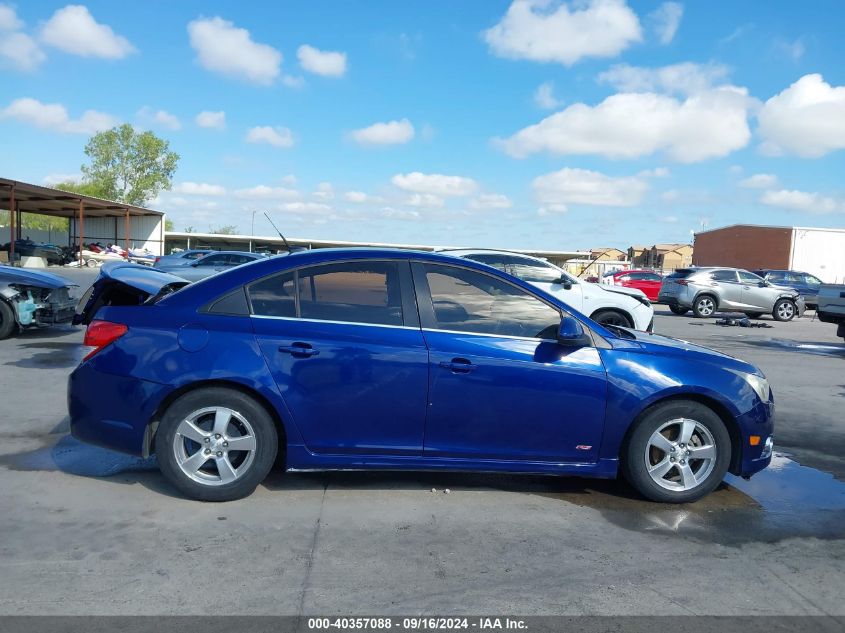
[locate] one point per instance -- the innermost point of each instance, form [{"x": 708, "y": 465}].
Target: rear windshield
[{"x": 681, "y": 273}]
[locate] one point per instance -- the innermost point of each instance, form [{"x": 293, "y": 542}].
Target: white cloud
[
  {"x": 211, "y": 119},
  {"x": 794, "y": 49},
  {"x": 666, "y": 19},
  {"x": 809, "y": 202},
  {"x": 263, "y": 192},
  {"x": 325, "y": 63},
  {"x": 304, "y": 207},
  {"x": 20, "y": 51},
  {"x": 425, "y": 200},
  {"x": 161, "y": 118},
  {"x": 435, "y": 184},
  {"x": 686, "y": 78},
  {"x": 358, "y": 197},
  {"x": 657, "y": 172},
  {"x": 295, "y": 82},
  {"x": 759, "y": 181},
  {"x": 74, "y": 30},
  {"x": 491, "y": 201},
  {"x": 668, "y": 219},
  {"x": 276, "y": 136},
  {"x": 544, "y": 96},
  {"x": 388, "y": 133},
  {"x": 54, "y": 117},
  {"x": 711, "y": 124},
  {"x": 324, "y": 191},
  {"x": 54, "y": 179},
  {"x": 9, "y": 20},
  {"x": 580, "y": 186},
  {"x": 555, "y": 32},
  {"x": 807, "y": 119},
  {"x": 670, "y": 195},
  {"x": 222, "y": 47},
  {"x": 199, "y": 189},
  {"x": 289, "y": 180}
]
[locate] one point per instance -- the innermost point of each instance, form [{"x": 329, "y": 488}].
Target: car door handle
[
  {"x": 299, "y": 349},
  {"x": 458, "y": 365}
]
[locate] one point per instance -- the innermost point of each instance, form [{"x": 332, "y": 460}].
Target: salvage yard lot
[{"x": 89, "y": 531}]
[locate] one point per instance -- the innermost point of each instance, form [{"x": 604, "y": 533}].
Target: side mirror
[
  {"x": 571, "y": 333},
  {"x": 565, "y": 282}
]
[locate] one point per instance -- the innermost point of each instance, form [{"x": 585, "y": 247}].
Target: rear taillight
[
  {"x": 102, "y": 333},
  {"x": 681, "y": 282},
  {"x": 155, "y": 261}
]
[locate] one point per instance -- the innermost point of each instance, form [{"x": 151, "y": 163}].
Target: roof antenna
[{"x": 287, "y": 246}]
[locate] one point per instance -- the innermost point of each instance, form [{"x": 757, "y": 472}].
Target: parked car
[
  {"x": 27, "y": 248},
  {"x": 386, "y": 359},
  {"x": 706, "y": 291},
  {"x": 646, "y": 280},
  {"x": 831, "y": 306},
  {"x": 211, "y": 264},
  {"x": 625, "y": 307},
  {"x": 806, "y": 284},
  {"x": 181, "y": 258},
  {"x": 31, "y": 298}
]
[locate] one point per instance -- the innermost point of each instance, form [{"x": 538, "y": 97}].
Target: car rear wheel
[
  {"x": 677, "y": 452},
  {"x": 612, "y": 317},
  {"x": 7, "y": 320},
  {"x": 704, "y": 306},
  {"x": 784, "y": 310},
  {"x": 676, "y": 309},
  {"x": 216, "y": 444}
]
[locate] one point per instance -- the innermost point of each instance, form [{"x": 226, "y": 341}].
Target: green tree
[
  {"x": 95, "y": 190},
  {"x": 168, "y": 224},
  {"x": 189, "y": 229},
  {"x": 129, "y": 166},
  {"x": 229, "y": 229}
]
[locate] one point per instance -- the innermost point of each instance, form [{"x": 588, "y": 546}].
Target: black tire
[
  {"x": 612, "y": 317},
  {"x": 784, "y": 310},
  {"x": 680, "y": 310},
  {"x": 254, "y": 414},
  {"x": 636, "y": 460},
  {"x": 704, "y": 306},
  {"x": 754, "y": 315},
  {"x": 7, "y": 320}
]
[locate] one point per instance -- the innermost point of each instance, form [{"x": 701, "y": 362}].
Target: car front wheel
[
  {"x": 784, "y": 310},
  {"x": 216, "y": 444},
  {"x": 612, "y": 317},
  {"x": 677, "y": 452}
]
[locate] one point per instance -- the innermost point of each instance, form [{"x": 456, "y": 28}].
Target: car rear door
[
  {"x": 500, "y": 386},
  {"x": 344, "y": 345}
]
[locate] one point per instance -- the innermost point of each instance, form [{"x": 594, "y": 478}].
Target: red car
[{"x": 646, "y": 280}]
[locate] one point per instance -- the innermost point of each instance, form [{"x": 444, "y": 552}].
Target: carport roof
[{"x": 31, "y": 198}]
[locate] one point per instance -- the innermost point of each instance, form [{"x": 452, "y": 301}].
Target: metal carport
[{"x": 20, "y": 197}]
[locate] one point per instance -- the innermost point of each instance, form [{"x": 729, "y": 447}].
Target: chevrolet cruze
[{"x": 400, "y": 360}]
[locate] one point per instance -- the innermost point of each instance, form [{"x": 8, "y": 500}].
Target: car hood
[
  {"x": 10, "y": 275},
  {"x": 622, "y": 290},
  {"x": 666, "y": 345}
]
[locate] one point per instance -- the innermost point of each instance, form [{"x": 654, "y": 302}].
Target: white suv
[{"x": 613, "y": 305}]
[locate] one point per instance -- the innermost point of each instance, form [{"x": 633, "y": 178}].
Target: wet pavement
[{"x": 86, "y": 530}]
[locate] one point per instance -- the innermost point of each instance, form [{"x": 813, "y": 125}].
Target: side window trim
[{"x": 410, "y": 314}]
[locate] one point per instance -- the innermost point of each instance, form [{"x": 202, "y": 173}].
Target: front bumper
[{"x": 756, "y": 454}]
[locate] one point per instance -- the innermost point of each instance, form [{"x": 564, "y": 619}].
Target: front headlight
[{"x": 758, "y": 383}]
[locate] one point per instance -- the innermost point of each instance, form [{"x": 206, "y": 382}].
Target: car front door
[
  {"x": 755, "y": 295},
  {"x": 500, "y": 385},
  {"x": 344, "y": 345}
]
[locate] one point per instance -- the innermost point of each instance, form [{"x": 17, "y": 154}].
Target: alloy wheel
[
  {"x": 680, "y": 455},
  {"x": 214, "y": 446},
  {"x": 786, "y": 310},
  {"x": 706, "y": 306}
]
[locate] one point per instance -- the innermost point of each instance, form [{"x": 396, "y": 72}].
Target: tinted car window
[
  {"x": 236, "y": 260},
  {"x": 213, "y": 260},
  {"x": 651, "y": 277},
  {"x": 274, "y": 296},
  {"x": 469, "y": 301},
  {"x": 524, "y": 268},
  {"x": 195, "y": 255},
  {"x": 749, "y": 278},
  {"x": 681, "y": 273},
  {"x": 357, "y": 292},
  {"x": 775, "y": 277},
  {"x": 723, "y": 275},
  {"x": 812, "y": 281}
]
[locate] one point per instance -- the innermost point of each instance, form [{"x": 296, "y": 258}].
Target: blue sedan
[{"x": 387, "y": 359}]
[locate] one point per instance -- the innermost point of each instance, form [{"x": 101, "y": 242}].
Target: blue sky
[{"x": 526, "y": 124}]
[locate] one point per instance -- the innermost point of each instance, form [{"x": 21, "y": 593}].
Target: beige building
[{"x": 665, "y": 257}]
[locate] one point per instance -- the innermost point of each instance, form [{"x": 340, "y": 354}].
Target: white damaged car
[{"x": 608, "y": 305}]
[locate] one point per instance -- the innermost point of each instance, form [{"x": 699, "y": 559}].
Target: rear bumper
[{"x": 111, "y": 411}]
